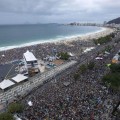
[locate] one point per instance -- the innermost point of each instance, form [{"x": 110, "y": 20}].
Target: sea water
[{"x": 12, "y": 36}]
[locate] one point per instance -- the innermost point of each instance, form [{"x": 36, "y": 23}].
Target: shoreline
[
  {"x": 74, "y": 45},
  {"x": 91, "y": 35}
]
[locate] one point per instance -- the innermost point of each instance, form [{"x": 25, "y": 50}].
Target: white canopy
[
  {"x": 30, "y": 103},
  {"x": 18, "y": 78},
  {"x": 107, "y": 52},
  {"x": 71, "y": 54},
  {"x": 29, "y": 56},
  {"x": 5, "y": 84},
  {"x": 88, "y": 49},
  {"x": 98, "y": 58},
  {"x": 3, "y": 55}
]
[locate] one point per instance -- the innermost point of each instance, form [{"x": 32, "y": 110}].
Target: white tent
[
  {"x": 98, "y": 58},
  {"x": 3, "y": 55},
  {"x": 88, "y": 49},
  {"x": 5, "y": 84},
  {"x": 18, "y": 78},
  {"x": 29, "y": 56},
  {"x": 71, "y": 54},
  {"x": 30, "y": 103},
  {"x": 107, "y": 52}
]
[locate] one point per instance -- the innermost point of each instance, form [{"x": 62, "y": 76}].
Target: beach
[{"x": 42, "y": 49}]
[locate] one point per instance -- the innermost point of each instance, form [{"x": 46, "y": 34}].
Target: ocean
[{"x": 12, "y": 36}]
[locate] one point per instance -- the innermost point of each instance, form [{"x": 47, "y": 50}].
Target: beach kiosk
[{"x": 31, "y": 63}]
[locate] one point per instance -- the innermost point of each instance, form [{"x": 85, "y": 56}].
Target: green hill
[{"x": 116, "y": 21}]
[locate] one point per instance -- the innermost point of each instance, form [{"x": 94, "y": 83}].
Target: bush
[
  {"x": 15, "y": 108},
  {"x": 91, "y": 65},
  {"x": 108, "y": 48},
  {"x": 6, "y": 116},
  {"x": 103, "y": 40},
  {"x": 115, "y": 68},
  {"x": 83, "y": 68},
  {"x": 113, "y": 79},
  {"x": 64, "y": 56}
]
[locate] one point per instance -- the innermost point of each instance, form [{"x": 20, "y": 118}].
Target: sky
[{"x": 58, "y": 11}]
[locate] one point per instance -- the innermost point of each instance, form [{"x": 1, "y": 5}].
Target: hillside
[{"x": 116, "y": 21}]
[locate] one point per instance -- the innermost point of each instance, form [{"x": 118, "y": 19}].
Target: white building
[{"x": 30, "y": 61}]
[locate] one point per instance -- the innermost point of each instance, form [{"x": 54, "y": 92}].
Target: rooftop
[{"x": 29, "y": 56}]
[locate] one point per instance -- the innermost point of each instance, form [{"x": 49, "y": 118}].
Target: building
[{"x": 31, "y": 63}]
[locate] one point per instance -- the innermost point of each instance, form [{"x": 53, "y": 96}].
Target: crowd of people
[
  {"x": 85, "y": 99},
  {"x": 42, "y": 50}
]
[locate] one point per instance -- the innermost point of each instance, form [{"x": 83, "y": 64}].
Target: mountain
[{"x": 116, "y": 21}]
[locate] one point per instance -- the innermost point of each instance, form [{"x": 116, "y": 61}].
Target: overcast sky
[{"x": 57, "y": 11}]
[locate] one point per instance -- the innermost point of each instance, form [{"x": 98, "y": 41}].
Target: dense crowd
[
  {"x": 42, "y": 50},
  {"x": 85, "y": 99}
]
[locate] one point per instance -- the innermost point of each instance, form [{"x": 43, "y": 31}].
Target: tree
[
  {"x": 115, "y": 68},
  {"x": 15, "y": 108},
  {"x": 6, "y": 116},
  {"x": 113, "y": 79},
  {"x": 103, "y": 40},
  {"x": 64, "y": 55}
]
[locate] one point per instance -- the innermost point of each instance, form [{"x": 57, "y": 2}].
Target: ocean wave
[{"x": 57, "y": 39}]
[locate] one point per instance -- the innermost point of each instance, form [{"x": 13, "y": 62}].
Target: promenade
[{"x": 39, "y": 79}]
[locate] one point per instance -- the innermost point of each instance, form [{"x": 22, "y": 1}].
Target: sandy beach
[
  {"x": 43, "y": 49},
  {"x": 89, "y": 36}
]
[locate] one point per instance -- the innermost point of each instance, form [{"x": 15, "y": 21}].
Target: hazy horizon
[{"x": 55, "y": 11}]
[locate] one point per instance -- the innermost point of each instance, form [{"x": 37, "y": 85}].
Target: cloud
[{"x": 57, "y": 9}]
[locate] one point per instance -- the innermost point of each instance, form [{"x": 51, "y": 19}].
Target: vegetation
[
  {"x": 103, "y": 40},
  {"x": 108, "y": 48},
  {"x": 15, "y": 108},
  {"x": 116, "y": 21},
  {"x": 6, "y": 116},
  {"x": 115, "y": 68},
  {"x": 91, "y": 65},
  {"x": 113, "y": 78},
  {"x": 64, "y": 55},
  {"x": 12, "y": 108},
  {"x": 83, "y": 68}
]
